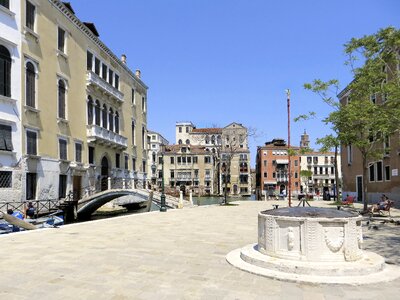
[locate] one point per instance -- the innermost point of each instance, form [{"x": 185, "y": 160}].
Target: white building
[
  {"x": 155, "y": 145},
  {"x": 10, "y": 97}
]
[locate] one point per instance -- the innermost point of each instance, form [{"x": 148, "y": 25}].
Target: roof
[
  {"x": 207, "y": 130},
  {"x": 92, "y": 28},
  {"x": 194, "y": 149}
]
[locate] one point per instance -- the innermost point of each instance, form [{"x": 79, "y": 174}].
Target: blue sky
[{"x": 213, "y": 62}]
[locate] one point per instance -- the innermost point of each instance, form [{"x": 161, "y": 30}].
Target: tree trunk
[
  {"x": 364, "y": 182},
  {"x": 336, "y": 176}
]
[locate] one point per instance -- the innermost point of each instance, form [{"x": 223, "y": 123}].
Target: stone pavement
[{"x": 179, "y": 254}]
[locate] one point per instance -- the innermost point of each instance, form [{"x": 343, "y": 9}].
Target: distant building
[
  {"x": 188, "y": 168},
  {"x": 156, "y": 145},
  {"x": 272, "y": 169},
  {"x": 228, "y": 149},
  {"x": 322, "y": 166}
]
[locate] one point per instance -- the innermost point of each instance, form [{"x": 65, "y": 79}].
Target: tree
[
  {"x": 369, "y": 109},
  {"x": 304, "y": 175}
]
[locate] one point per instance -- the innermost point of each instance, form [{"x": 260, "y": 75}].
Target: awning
[{"x": 282, "y": 161}]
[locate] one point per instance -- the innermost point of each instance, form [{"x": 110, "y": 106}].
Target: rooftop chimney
[
  {"x": 137, "y": 73},
  {"x": 123, "y": 58}
]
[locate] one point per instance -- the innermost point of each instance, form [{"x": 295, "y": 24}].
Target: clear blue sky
[{"x": 218, "y": 61}]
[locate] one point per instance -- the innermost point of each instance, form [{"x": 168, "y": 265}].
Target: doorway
[
  {"x": 104, "y": 173},
  {"x": 77, "y": 187}
]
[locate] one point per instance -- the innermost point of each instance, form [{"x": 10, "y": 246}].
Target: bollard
[
  {"x": 109, "y": 183},
  {"x": 180, "y": 204},
  {"x": 191, "y": 197},
  {"x": 123, "y": 183}
]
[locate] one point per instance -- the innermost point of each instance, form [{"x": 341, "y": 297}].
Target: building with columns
[{"x": 82, "y": 112}]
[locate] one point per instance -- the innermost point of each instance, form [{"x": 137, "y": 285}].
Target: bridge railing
[{"x": 42, "y": 206}]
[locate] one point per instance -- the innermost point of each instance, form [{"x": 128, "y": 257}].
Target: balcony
[
  {"x": 100, "y": 84},
  {"x": 102, "y": 136},
  {"x": 183, "y": 178}
]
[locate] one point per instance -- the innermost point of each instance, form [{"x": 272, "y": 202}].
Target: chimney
[
  {"x": 123, "y": 58},
  {"x": 137, "y": 73}
]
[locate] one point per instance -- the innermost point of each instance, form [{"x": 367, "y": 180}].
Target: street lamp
[
  {"x": 163, "y": 208},
  {"x": 289, "y": 162}
]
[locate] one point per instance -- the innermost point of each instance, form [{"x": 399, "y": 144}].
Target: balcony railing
[
  {"x": 104, "y": 136},
  {"x": 95, "y": 80}
]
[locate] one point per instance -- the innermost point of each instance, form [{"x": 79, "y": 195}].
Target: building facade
[
  {"x": 272, "y": 170},
  {"x": 322, "y": 167},
  {"x": 11, "y": 169},
  {"x": 83, "y": 112},
  {"x": 383, "y": 174},
  {"x": 228, "y": 147},
  {"x": 188, "y": 168},
  {"x": 156, "y": 146}
]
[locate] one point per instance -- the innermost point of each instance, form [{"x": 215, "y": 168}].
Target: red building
[{"x": 272, "y": 169}]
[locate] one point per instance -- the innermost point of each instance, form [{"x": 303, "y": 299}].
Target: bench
[{"x": 382, "y": 210}]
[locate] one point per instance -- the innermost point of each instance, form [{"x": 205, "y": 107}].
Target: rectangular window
[
  {"x": 207, "y": 159},
  {"x": 117, "y": 160},
  {"x": 78, "y": 152},
  {"x": 184, "y": 159},
  {"x": 89, "y": 61},
  {"x": 265, "y": 174},
  {"x": 133, "y": 164},
  {"x": 349, "y": 155},
  {"x": 5, "y": 3},
  {"x": 180, "y": 129},
  {"x": 273, "y": 175},
  {"x": 315, "y": 170},
  {"x": 91, "y": 155},
  {"x": 116, "y": 85},
  {"x": 372, "y": 172},
  {"x": 172, "y": 174},
  {"x": 5, "y": 179},
  {"x": 133, "y": 96},
  {"x": 143, "y": 104},
  {"x": 265, "y": 163},
  {"x": 110, "y": 76},
  {"x": 30, "y": 16},
  {"x": 5, "y": 138},
  {"x": 160, "y": 160},
  {"x": 30, "y": 186},
  {"x": 61, "y": 39},
  {"x": 144, "y": 166},
  {"x": 379, "y": 171},
  {"x": 172, "y": 160},
  {"x": 104, "y": 72},
  {"x": 97, "y": 66},
  {"x": 62, "y": 145},
  {"x": 189, "y": 159},
  {"x": 31, "y": 142},
  {"x": 126, "y": 162},
  {"x": 195, "y": 159},
  {"x": 387, "y": 173},
  {"x": 296, "y": 163},
  {"x": 296, "y": 175},
  {"x": 178, "y": 159},
  {"x": 62, "y": 187}
]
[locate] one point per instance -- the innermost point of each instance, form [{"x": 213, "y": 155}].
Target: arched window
[
  {"x": 154, "y": 157},
  {"x": 97, "y": 113},
  {"x": 90, "y": 110},
  {"x": 5, "y": 72},
  {"x": 180, "y": 142},
  {"x": 30, "y": 84},
  {"x": 213, "y": 139},
  {"x": 61, "y": 99},
  {"x": 219, "y": 140},
  {"x": 104, "y": 116},
  {"x": 187, "y": 142},
  {"x": 111, "y": 119},
  {"x": 207, "y": 139},
  {"x": 116, "y": 122},
  {"x": 243, "y": 167}
]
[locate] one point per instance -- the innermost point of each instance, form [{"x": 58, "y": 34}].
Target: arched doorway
[
  {"x": 104, "y": 173},
  {"x": 235, "y": 189}
]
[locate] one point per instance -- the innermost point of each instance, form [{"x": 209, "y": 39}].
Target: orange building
[{"x": 272, "y": 169}]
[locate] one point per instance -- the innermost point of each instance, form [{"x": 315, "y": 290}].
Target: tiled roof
[{"x": 207, "y": 130}]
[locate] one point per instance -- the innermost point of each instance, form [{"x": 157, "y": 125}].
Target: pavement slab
[{"x": 179, "y": 254}]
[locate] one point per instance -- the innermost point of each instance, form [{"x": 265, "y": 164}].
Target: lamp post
[
  {"x": 289, "y": 162},
  {"x": 163, "y": 208}
]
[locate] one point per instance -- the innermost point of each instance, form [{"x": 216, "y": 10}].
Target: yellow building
[{"x": 83, "y": 111}]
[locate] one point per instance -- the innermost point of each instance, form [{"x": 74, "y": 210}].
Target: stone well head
[{"x": 310, "y": 234}]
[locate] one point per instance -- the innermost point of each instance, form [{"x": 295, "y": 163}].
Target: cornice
[{"x": 69, "y": 15}]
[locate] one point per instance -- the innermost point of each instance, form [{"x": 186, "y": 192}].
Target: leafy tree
[{"x": 369, "y": 109}]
